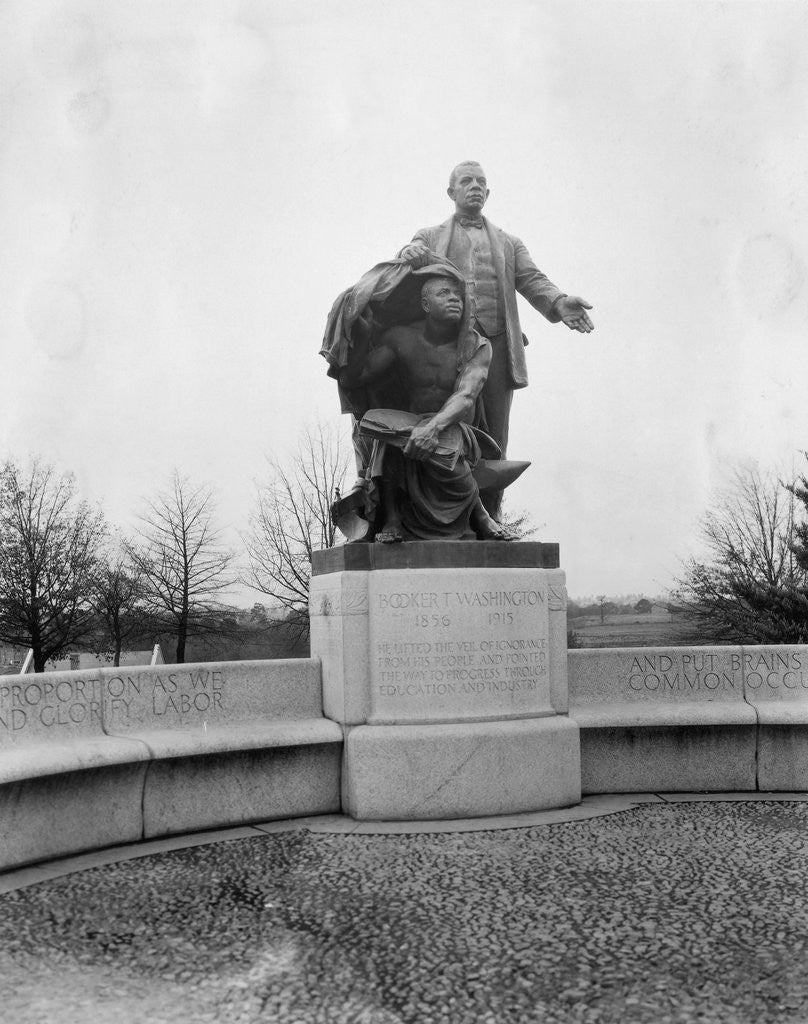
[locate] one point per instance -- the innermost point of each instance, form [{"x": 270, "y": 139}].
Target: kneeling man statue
[{"x": 411, "y": 369}]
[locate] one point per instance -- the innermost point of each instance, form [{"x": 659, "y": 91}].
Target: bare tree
[
  {"x": 732, "y": 594},
  {"x": 48, "y": 553},
  {"x": 118, "y": 598},
  {"x": 291, "y": 518},
  {"x": 182, "y": 563}
]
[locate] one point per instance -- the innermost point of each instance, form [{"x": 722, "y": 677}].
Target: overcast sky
[{"x": 186, "y": 186}]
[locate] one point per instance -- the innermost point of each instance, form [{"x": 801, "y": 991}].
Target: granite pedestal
[{"x": 446, "y": 664}]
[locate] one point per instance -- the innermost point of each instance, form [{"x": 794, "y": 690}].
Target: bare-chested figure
[{"x": 427, "y": 493}]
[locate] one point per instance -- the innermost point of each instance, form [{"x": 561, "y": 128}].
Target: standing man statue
[{"x": 496, "y": 266}]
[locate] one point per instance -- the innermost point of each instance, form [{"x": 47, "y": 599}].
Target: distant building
[
  {"x": 664, "y": 609},
  {"x": 11, "y": 658}
]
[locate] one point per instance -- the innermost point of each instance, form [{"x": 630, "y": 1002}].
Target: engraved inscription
[
  {"x": 491, "y": 666},
  {"x": 457, "y": 649},
  {"x": 688, "y": 673},
  {"x": 461, "y": 599},
  {"x": 64, "y": 702},
  {"x": 692, "y": 671},
  {"x": 82, "y": 701},
  {"x": 181, "y": 693},
  {"x": 773, "y": 670}
]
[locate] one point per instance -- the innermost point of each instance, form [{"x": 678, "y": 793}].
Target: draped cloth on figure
[
  {"x": 439, "y": 492},
  {"x": 387, "y": 296}
]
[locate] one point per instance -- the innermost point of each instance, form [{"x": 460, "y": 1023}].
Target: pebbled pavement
[{"x": 663, "y": 913}]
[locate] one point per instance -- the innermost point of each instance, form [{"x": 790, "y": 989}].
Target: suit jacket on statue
[{"x": 516, "y": 272}]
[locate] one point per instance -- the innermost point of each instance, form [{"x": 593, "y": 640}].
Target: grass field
[{"x": 655, "y": 630}]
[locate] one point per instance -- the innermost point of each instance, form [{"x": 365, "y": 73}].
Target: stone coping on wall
[
  {"x": 43, "y": 758},
  {"x": 459, "y": 554},
  {"x": 640, "y": 715},
  {"x": 168, "y": 743}
]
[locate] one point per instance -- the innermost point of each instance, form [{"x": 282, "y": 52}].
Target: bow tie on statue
[{"x": 471, "y": 222}]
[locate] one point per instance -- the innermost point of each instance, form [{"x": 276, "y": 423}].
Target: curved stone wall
[
  {"x": 673, "y": 719},
  {"x": 94, "y": 759}
]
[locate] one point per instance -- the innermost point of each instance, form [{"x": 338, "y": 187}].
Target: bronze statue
[
  {"x": 495, "y": 266},
  {"x": 411, "y": 369}
]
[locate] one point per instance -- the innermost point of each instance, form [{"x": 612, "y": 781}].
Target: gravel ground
[{"x": 666, "y": 912}]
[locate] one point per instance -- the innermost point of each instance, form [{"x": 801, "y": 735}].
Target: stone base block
[
  {"x": 439, "y": 632},
  {"x": 463, "y": 770},
  {"x": 58, "y": 815},
  {"x": 183, "y": 794},
  {"x": 783, "y": 758},
  {"x": 668, "y": 759}
]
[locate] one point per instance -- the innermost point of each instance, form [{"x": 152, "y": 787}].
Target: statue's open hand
[
  {"x": 422, "y": 442},
  {"x": 573, "y": 311},
  {"x": 416, "y": 254}
]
